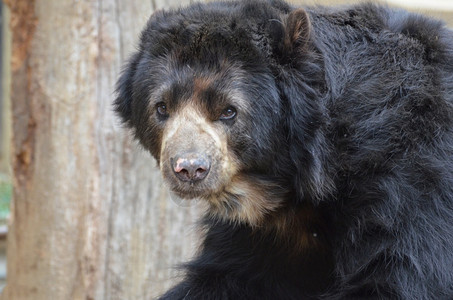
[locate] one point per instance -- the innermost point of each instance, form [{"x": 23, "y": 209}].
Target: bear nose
[{"x": 190, "y": 167}]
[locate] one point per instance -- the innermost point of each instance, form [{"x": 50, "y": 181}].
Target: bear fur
[{"x": 328, "y": 134}]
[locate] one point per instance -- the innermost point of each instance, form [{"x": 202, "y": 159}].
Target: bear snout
[{"x": 190, "y": 167}]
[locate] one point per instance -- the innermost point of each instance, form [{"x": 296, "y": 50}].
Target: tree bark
[{"x": 90, "y": 218}]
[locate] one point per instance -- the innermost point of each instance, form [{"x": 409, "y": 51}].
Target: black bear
[{"x": 320, "y": 138}]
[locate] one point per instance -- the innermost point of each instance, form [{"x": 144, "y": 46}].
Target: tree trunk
[{"x": 90, "y": 218}]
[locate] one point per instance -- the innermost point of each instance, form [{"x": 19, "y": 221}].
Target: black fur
[{"x": 353, "y": 116}]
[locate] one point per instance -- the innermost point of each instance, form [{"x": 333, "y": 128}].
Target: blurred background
[{"x": 83, "y": 213}]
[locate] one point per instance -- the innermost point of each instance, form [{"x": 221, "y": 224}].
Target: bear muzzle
[{"x": 190, "y": 167}]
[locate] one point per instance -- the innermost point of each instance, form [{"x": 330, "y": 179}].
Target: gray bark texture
[{"x": 90, "y": 218}]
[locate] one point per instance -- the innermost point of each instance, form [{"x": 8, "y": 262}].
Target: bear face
[
  {"x": 204, "y": 100},
  {"x": 205, "y": 136}
]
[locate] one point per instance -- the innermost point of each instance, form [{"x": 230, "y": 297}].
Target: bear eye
[
  {"x": 228, "y": 113},
  {"x": 161, "y": 109}
]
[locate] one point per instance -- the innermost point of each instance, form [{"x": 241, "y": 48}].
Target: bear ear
[
  {"x": 291, "y": 37},
  {"x": 297, "y": 31},
  {"x": 124, "y": 89}
]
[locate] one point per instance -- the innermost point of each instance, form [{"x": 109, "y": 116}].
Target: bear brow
[{"x": 176, "y": 93}]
